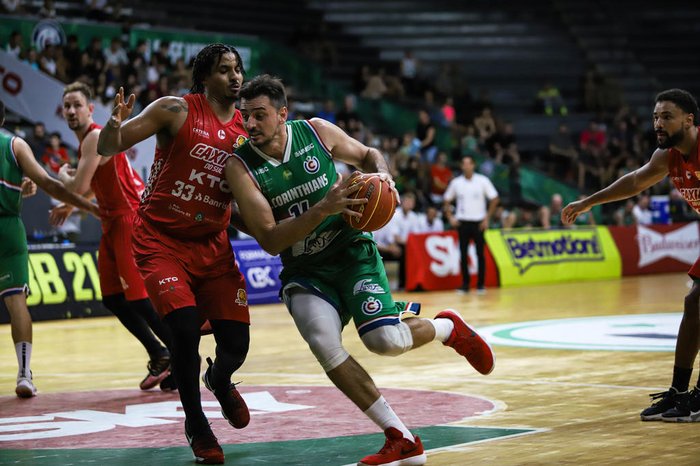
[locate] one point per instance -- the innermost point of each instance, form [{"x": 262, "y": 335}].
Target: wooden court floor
[{"x": 574, "y": 406}]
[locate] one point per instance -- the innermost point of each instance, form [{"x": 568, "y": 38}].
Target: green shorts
[
  {"x": 14, "y": 265},
  {"x": 354, "y": 282}
]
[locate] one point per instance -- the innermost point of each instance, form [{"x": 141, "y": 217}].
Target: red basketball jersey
[
  {"x": 685, "y": 175},
  {"x": 116, "y": 185},
  {"x": 187, "y": 195}
]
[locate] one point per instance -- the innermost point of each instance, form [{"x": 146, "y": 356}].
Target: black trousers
[{"x": 470, "y": 231}]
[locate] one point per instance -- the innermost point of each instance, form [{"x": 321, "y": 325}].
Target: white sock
[
  {"x": 443, "y": 328},
  {"x": 381, "y": 414},
  {"x": 24, "y": 355}
]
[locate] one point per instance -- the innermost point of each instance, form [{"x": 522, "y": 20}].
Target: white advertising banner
[{"x": 37, "y": 97}]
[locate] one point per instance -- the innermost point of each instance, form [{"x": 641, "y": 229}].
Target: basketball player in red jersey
[
  {"x": 117, "y": 188},
  {"x": 678, "y": 157},
  {"x": 180, "y": 240}
]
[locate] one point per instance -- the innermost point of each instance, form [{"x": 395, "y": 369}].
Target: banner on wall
[
  {"x": 548, "y": 256},
  {"x": 64, "y": 284},
  {"x": 433, "y": 262},
  {"x": 657, "y": 248}
]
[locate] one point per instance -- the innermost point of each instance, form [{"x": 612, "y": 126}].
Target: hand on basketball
[
  {"x": 122, "y": 109},
  {"x": 388, "y": 178},
  {"x": 339, "y": 198},
  {"x": 573, "y": 210}
]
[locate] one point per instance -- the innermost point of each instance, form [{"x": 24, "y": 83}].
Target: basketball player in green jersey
[
  {"x": 291, "y": 200},
  {"x": 16, "y": 161}
]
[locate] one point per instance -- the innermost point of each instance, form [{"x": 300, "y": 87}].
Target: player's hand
[
  {"x": 338, "y": 199},
  {"x": 28, "y": 187},
  {"x": 573, "y": 210},
  {"x": 389, "y": 179},
  {"x": 59, "y": 214},
  {"x": 122, "y": 108},
  {"x": 484, "y": 225}
]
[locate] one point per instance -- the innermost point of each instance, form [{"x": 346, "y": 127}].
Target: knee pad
[
  {"x": 389, "y": 340},
  {"x": 319, "y": 324}
]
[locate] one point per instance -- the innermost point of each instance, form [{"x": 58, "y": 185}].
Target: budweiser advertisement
[{"x": 657, "y": 248}]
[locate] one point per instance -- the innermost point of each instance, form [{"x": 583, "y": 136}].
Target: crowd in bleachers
[{"x": 613, "y": 144}]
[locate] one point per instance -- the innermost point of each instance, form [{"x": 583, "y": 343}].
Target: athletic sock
[
  {"x": 443, "y": 328},
  {"x": 381, "y": 414},
  {"x": 24, "y": 355},
  {"x": 681, "y": 378}
]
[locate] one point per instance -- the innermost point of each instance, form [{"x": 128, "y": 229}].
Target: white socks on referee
[
  {"x": 24, "y": 355},
  {"x": 443, "y": 328},
  {"x": 381, "y": 413}
]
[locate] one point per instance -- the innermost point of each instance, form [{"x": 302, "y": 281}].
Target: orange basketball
[{"x": 380, "y": 206}]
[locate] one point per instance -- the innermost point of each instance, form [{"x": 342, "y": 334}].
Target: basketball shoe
[
  {"x": 233, "y": 405},
  {"x": 168, "y": 384},
  {"x": 664, "y": 401},
  {"x": 397, "y": 451},
  {"x": 25, "y": 387},
  {"x": 687, "y": 408},
  {"x": 205, "y": 446},
  {"x": 158, "y": 369},
  {"x": 468, "y": 343}
]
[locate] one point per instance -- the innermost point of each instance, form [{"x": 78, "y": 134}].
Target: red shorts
[
  {"x": 694, "y": 271},
  {"x": 115, "y": 261},
  {"x": 190, "y": 273}
]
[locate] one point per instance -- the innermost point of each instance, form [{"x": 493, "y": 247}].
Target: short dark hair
[
  {"x": 267, "y": 85},
  {"x": 81, "y": 87},
  {"x": 206, "y": 59},
  {"x": 683, "y": 99}
]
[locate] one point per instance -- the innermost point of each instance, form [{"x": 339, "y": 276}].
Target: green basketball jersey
[
  {"x": 292, "y": 185},
  {"x": 10, "y": 179}
]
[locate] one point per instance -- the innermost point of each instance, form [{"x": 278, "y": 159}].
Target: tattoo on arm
[{"x": 175, "y": 108}]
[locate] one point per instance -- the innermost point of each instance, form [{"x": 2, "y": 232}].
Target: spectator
[
  {"x": 47, "y": 59},
  {"x": 563, "y": 153},
  {"x": 440, "y": 176},
  {"x": 550, "y": 100},
  {"x": 33, "y": 59},
  {"x": 375, "y": 87},
  {"x": 550, "y": 216},
  {"x": 71, "y": 54},
  {"x": 14, "y": 45},
  {"x": 47, "y": 10},
  {"x": 55, "y": 154},
  {"x": 449, "y": 113},
  {"x": 485, "y": 125},
  {"x": 505, "y": 147},
  {"x": 470, "y": 143},
  {"x": 641, "y": 212},
  {"x": 593, "y": 145},
  {"x": 406, "y": 221},
  {"x": 328, "y": 111},
  {"x": 38, "y": 140},
  {"x": 115, "y": 55},
  {"x": 431, "y": 221},
  {"x": 409, "y": 73},
  {"x": 426, "y": 135},
  {"x": 624, "y": 216},
  {"x": 96, "y": 10}
]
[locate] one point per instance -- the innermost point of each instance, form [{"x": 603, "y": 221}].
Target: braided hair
[{"x": 206, "y": 59}]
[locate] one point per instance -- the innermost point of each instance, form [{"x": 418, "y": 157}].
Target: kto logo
[
  {"x": 259, "y": 277},
  {"x": 167, "y": 280}
]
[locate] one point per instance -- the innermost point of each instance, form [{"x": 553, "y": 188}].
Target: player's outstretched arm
[
  {"x": 31, "y": 168},
  {"x": 259, "y": 219},
  {"x": 627, "y": 186},
  {"x": 163, "y": 118}
]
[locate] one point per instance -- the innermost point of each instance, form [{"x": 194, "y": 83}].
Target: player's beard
[{"x": 671, "y": 140}]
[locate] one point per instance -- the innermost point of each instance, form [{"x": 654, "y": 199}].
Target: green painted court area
[{"x": 316, "y": 452}]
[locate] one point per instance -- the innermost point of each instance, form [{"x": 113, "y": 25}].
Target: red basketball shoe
[
  {"x": 233, "y": 406},
  {"x": 468, "y": 343},
  {"x": 205, "y": 446},
  {"x": 397, "y": 451},
  {"x": 158, "y": 369}
]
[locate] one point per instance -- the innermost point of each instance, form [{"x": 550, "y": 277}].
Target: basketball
[{"x": 380, "y": 206}]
